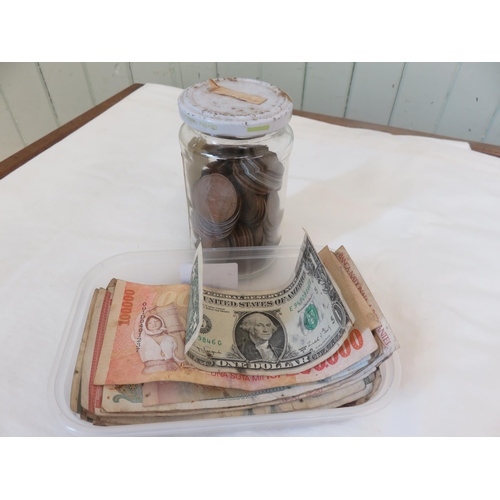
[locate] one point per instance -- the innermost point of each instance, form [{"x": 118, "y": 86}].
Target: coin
[
  {"x": 223, "y": 167},
  {"x": 232, "y": 152},
  {"x": 253, "y": 209},
  {"x": 235, "y": 198},
  {"x": 241, "y": 236},
  {"x": 272, "y": 220},
  {"x": 274, "y": 213},
  {"x": 215, "y": 198},
  {"x": 258, "y": 235},
  {"x": 246, "y": 174},
  {"x": 212, "y": 230}
]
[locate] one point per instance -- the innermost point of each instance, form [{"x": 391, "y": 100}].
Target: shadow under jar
[{"x": 235, "y": 144}]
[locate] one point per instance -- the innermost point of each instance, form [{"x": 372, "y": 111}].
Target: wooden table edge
[{"x": 29, "y": 152}]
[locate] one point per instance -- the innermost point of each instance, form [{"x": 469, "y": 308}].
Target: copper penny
[
  {"x": 246, "y": 178},
  {"x": 241, "y": 236},
  {"x": 258, "y": 236},
  {"x": 215, "y": 198},
  {"x": 253, "y": 209},
  {"x": 274, "y": 212}
]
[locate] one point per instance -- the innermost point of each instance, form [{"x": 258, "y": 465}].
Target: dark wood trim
[
  {"x": 480, "y": 147},
  {"x": 29, "y": 152}
]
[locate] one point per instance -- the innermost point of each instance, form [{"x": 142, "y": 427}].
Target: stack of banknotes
[{"x": 160, "y": 353}]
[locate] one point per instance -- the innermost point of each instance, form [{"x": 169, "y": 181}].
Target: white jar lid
[{"x": 228, "y": 116}]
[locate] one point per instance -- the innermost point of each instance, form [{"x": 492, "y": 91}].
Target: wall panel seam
[
  {"x": 349, "y": 90},
  {"x": 13, "y": 118},
  {"x": 446, "y": 99},
  {"x": 131, "y": 72},
  {"x": 396, "y": 97},
  {"x": 303, "y": 86},
  {"x": 130, "y": 78},
  {"x": 181, "y": 76},
  {"x": 47, "y": 92},
  {"x": 89, "y": 85}
]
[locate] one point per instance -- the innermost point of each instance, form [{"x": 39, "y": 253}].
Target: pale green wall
[{"x": 454, "y": 99}]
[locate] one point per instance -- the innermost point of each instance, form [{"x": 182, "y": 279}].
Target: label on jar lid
[
  {"x": 218, "y": 89},
  {"x": 235, "y": 107}
]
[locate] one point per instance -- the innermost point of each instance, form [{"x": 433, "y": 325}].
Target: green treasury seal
[{"x": 311, "y": 317}]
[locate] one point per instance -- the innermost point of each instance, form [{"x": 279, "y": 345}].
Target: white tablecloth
[{"x": 419, "y": 216}]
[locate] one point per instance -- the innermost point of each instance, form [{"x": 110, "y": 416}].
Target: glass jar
[{"x": 235, "y": 153}]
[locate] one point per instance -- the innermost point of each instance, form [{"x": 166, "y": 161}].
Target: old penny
[
  {"x": 215, "y": 198},
  {"x": 253, "y": 209}
]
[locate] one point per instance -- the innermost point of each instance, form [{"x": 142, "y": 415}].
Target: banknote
[
  {"x": 135, "y": 366},
  {"x": 324, "y": 398},
  {"x": 145, "y": 334},
  {"x": 91, "y": 394},
  {"x": 281, "y": 331},
  {"x": 161, "y": 396},
  {"x": 383, "y": 332},
  {"x": 333, "y": 399},
  {"x": 132, "y": 353},
  {"x": 195, "y": 306},
  {"x": 239, "y": 401},
  {"x": 169, "y": 397},
  {"x": 366, "y": 397},
  {"x": 75, "y": 396},
  {"x": 353, "y": 297},
  {"x": 350, "y": 362},
  {"x": 355, "y": 372}
]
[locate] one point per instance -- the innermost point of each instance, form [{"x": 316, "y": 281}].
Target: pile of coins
[{"x": 235, "y": 200}]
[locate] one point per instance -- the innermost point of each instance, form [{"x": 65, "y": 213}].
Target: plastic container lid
[{"x": 227, "y": 116}]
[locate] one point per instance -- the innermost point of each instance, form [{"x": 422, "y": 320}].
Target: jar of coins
[{"x": 235, "y": 144}]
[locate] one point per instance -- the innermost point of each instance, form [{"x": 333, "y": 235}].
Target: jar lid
[{"x": 230, "y": 107}]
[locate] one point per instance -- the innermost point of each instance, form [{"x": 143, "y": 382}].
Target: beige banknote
[
  {"x": 83, "y": 391},
  {"x": 384, "y": 332},
  {"x": 76, "y": 381},
  {"x": 333, "y": 399},
  {"x": 88, "y": 389},
  {"x": 180, "y": 396},
  {"x": 308, "y": 400}
]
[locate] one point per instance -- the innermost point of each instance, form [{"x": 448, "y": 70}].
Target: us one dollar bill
[{"x": 279, "y": 331}]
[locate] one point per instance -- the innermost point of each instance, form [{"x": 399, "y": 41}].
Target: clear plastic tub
[{"x": 263, "y": 268}]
